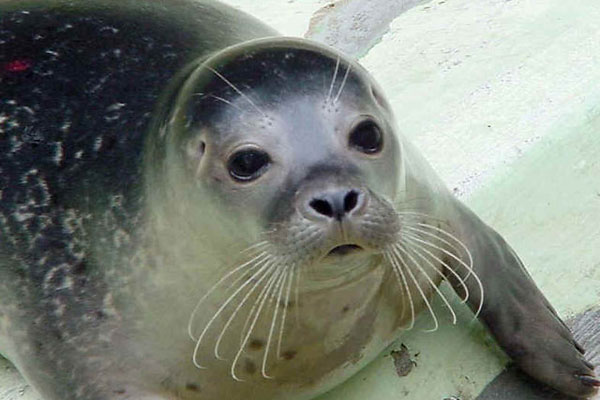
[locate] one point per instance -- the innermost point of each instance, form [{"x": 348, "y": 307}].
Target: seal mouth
[{"x": 344, "y": 249}]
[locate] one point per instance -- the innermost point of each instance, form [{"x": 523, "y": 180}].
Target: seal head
[{"x": 283, "y": 147}]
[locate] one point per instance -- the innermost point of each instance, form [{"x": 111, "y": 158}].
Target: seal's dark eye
[
  {"x": 247, "y": 165},
  {"x": 367, "y": 138}
]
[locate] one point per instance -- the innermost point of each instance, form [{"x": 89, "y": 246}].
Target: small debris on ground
[{"x": 402, "y": 361}]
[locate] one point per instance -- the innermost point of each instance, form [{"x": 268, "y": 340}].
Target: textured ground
[{"x": 501, "y": 96}]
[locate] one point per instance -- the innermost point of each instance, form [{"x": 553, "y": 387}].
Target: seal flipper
[{"x": 518, "y": 315}]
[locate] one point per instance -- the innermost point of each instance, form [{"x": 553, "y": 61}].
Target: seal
[{"x": 195, "y": 208}]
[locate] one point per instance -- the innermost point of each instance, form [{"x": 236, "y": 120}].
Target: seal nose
[{"x": 336, "y": 204}]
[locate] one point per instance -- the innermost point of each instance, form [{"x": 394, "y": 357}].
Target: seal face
[{"x": 192, "y": 208}]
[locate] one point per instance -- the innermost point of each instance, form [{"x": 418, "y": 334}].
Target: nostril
[
  {"x": 350, "y": 200},
  {"x": 322, "y": 207}
]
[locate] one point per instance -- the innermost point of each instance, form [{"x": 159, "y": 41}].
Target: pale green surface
[
  {"x": 476, "y": 83},
  {"x": 450, "y": 361},
  {"x": 290, "y": 17},
  {"x": 530, "y": 69},
  {"x": 549, "y": 208}
]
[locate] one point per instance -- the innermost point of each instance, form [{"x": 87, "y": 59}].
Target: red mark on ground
[{"x": 18, "y": 65}]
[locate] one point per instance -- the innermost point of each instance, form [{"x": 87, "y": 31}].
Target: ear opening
[{"x": 379, "y": 98}]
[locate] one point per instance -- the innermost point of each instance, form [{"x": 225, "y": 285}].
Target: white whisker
[
  {"x": 343, "y": 84},
  {"x": 279, "y": 288},
  {"x": 435, "y": 236},
  {"x": 394, "y": 261},
  {"x": 412, "y": 238},
  {"x": 258, "y": 300},
  {"x": 271, "y": 273},
  {"x": 335, "y": 72},
  {"x": 229, "y": 299},
  {"x": 255, "y": 246},
  {"x": 396, "y": 249},
  {"x": 253, "y": 263},
  {"x": 468, "y": 268},
  {"x": 251, "y": 329},
  {"x": 399, "y": 280},
  {"x": 297, "y": 293},
  {"x": 417, "y": 214},
  {"x": 238, "y": 91},
  {"x": 224, "y": 101},
  {"x": 284, "y": 313},
  {"x": 435, "y": 287},
  {"x": 430, "y": 217},
  {"x": 457, "y": 240}
]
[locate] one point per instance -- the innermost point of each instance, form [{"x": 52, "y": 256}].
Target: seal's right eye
[
  {"x": 247, "y": 165},
  {"x": 366, "y": 137}
]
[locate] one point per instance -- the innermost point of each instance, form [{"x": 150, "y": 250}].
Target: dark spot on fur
[
  {"x": 110, "y": 142},
  {"x": 290, "y": 304},
  {"x": 58, "y": 335},
  {"x": 82, "y": 282},
  {"x": 193, "y": 387},
  {"x": 80, "y": 268},
  {"x": 346, "y": 309},
  {"x": 515, "y": 349},
  {"x": 250, "y": 367},
  {"x": 516, "y": 325},
  {"x": 256, "y": 344},
  {"x": 59, "y": 244},
  {"x": 99, "y": 314},
  {"x": 290, "y": 354},
  {"x": 119, "y": 391}
]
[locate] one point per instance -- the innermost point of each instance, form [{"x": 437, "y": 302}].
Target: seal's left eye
[
  {"x": 247, "y": 165},
  {"x": 366, "y": 137}
]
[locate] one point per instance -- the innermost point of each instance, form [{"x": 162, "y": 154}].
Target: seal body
[{"x": 194, "y": 208}]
